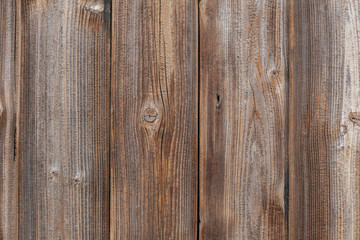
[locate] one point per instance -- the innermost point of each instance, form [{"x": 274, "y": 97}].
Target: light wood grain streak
[
  {"x": 64, "y": 120},
  {"x": 8, "y": 163},
  {"x": 324, "y": 110}
]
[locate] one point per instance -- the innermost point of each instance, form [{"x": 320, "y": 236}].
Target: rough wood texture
[
  {"x": 154, "y": 119},
  {"x": 8, "y": 163},
  {"x": 64, "y": 119},
  {"x": 324, "y": 119},
  {"x": 242, "y": 119}
]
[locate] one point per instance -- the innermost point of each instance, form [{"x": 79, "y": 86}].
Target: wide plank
[
  {"x": 243, "y": 95},
  {"x": 154, "y": 126},
  {"x": 8, "y": 163},
  {"x": 324, "y": 105},
  {"x": 64, "y": 119}
]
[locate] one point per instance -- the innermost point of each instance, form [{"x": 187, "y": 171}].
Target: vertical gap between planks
[
  {"x": 286, "y": 42},
  {"x": 198, "y": 133},
  {"x": 17, "y": 70},
  {"x": 108, "y": 4}
]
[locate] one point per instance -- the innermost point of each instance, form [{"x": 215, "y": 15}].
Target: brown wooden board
[
  {"x": 243, "y": 95},
  {"x": 324, "y": 104},
  {"x": 64, "y": 119},
  {"x": 154, "y": 119},
  {"x": 8, "y": 163},
  {"x": 150, "y": 119}
]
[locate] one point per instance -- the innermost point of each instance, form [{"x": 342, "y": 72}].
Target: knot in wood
[
  {"x": 150, "y": 115},
  {"x": 54, "y": 171},
  {"x": 344, "y": 129},
  {"x": 274, "y": 73},
  {"x": 355, "y": 117},
  {"x": 95, "y": 7},
  {"x": 78, "y": 178}
]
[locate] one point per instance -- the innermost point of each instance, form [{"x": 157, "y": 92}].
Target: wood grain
[
  {"x": 154, "y": 119},
  {"x": 324, "y": 119},
  {"x": 242, "y": 119},
  {"x": 64, "y": 119},
  {"x": 8, "y": 163}
]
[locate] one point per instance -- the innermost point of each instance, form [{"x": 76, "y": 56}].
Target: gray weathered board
[{"x": 182, "y": 119}]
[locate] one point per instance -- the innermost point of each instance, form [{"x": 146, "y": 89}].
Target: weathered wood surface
[
  {"x": 242, "y": 119},
  {"x": 64, "y": 119},
  {"x": 8, "y": 163},
  {"x": 324, "y": 119},
  {"x": 101, "y": 147},
  {"x": 154, "y": 119}
]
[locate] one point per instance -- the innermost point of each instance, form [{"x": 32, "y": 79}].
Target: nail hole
[
  {"x": 54, "y": 171},
  {"x": 77, "y": 178},
  {"x": 217, "y": 100}
]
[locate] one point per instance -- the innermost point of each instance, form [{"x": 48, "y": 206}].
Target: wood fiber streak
[
  {"x": 64, "y": 120},
  {"x": 242, "y": 119},
  {"x": 154, "y": 119},
  {"x": 8, "y": 163},
  {"x": 324, "y": 103}
]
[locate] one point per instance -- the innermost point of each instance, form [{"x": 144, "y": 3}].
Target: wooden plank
[
  {"x": 64, "y": 119},
  {"x": 8, "y": 163},
  {"x": 242, "y": 119},
  {"x": 324, "y": 120},
  {"x": 154, "y": 119}
]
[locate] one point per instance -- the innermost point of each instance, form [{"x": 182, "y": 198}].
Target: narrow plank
[
  {"x": 64, "y": 119},
  {"x": 154, "y": 119},
  {"x": 242, "y": 119},
  {"x": 324, "y": 119},
  {"x": 8, "y": 163}
]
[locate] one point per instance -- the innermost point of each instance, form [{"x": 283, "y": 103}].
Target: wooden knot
[
  {"x": 355, "y": 117},
  {"x": 95, "y": 8},
  {"x": 344, "y": 129},
  {"x": 150, "y": 115},
  {"x": 274, "y": 73},
  {"x": 54, "y": 172}
]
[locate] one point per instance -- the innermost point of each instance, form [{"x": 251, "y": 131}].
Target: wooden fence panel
[
  {"x": 242, "y": 119},
  {"x": 154, "y": 119},
  {"x": 8, "y": 163},
  {"x": 324, "y": 120},
  {"x": 64, "y": 119},
  {"x": 105, "y": 107}
]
